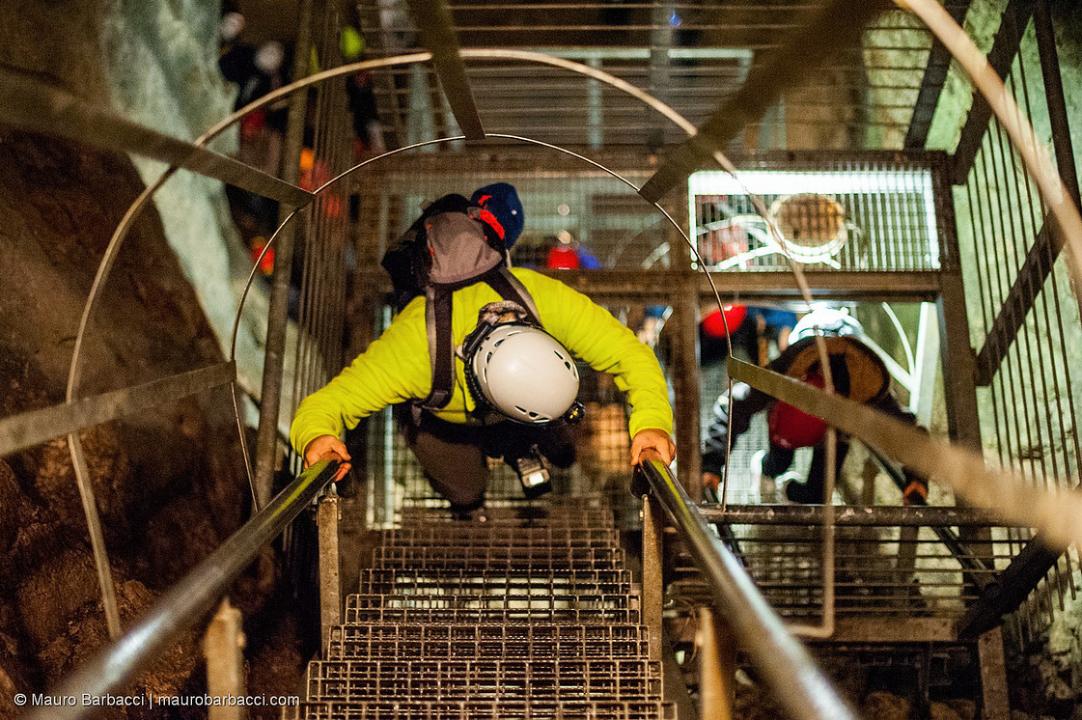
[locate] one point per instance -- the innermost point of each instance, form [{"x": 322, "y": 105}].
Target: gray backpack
[{"x": 457, "y": 253}]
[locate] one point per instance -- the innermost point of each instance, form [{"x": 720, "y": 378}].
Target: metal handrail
[
  {"x": 186, "y": 603},
  {"x": 798, "y": 684}
]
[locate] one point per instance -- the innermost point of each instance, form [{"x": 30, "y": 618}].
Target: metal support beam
[
  {"x": 434, "y": 20},
  {"x": 1016, "y": 582},
  {"x": 653, "y": 574},
  {"x": 37, "y": 426},
  {"x": 1004, "y": 47},
  {"x": 1041, "y": 257},
  {"x": 35, "y": 107},
  {"x": 956, "y": 354},
  {"x": 850, "y": 515},
  {"x": 800, "y": 53},
  {"x": 330, "y": 582},
  {"x": 717, "y": 667},
  {"x": 931, "y": 85},
  {"x": 996, "y": 703},
  {"x": 266, "y": 450},
  {"x": 661, "y": 285},
  {"x": 881, "y": 629},
  {"x": 223, "y": 649}
]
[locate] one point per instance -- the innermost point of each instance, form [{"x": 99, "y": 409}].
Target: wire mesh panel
[
  {"x": 879, "y": 572},
  {"x": 577, "y": 217},
  {"x": 860, "y": 215},
  {"x": 693, "y": 55},
  {"x": 1024, "y": 318}
]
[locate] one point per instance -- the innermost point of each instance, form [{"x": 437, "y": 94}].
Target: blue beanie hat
[{"x": 501, "y": 199}]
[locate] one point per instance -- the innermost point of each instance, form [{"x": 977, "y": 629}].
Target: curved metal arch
[
  {"x": 137, "y": 207},
  {"x": 960, "y": 47},
  {"x": 82, "y": 475}
]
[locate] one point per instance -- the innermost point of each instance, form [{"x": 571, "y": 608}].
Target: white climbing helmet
[
  {"x": 524, "y": 373},
  {"x": 829, "y": 321}
]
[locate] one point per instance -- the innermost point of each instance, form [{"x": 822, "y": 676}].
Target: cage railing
[{"x": 798, "y": 684}]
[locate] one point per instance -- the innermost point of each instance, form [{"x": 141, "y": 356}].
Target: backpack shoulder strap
[
  {"x": 509, "y": 287},
  {"x": 441, "y": 351},
  {"x": 441, "y": 342}
]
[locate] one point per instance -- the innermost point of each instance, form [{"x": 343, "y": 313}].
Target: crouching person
[
  {"x": 857, "y": 373},
  {"x": 484, "y": 362}
]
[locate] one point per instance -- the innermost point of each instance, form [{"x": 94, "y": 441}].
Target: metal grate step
[
  {"x": 493, "y": 579},
  {"x": 531, "y": 614},
  {"x": 568, "y": 517},
  {"x": 487, "y": 641},
  {"x": 506, "y": 558},
  {"x": 495, "y": 680},
  {"x": 505, "y": 710},
  {"x": 368, "y": 609},
  {"x": 485, "y": 536}
]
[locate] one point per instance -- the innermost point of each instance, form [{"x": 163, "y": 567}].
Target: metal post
[
  {"x": 653, "y": 577},
  {"x": 688, "y": 433},
  {"x": 956, "y": 353},
  {"x": 717, "y": 668},
  {"x": 1058, "y": 116},
  {"x": 278, "y": 315},
  {"x": 595, "y": 129},
  {"x": 330, "y": 584},
  {"x": 995, "y": 701},
  {"x": 685, "y": 323},
  {"x": 223, "y": 648}
]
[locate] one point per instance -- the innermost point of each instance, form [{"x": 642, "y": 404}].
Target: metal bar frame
[
  {"x": 1000, "y": 56},
  {"x": 330, "y": 580},
  {"x": 931, "y": 85},
  {"x": 223, "y": 649},
  {"x": 186, "y": 602},
  {"x": 33, "y": 427},
  {"x": 801, "y": 52},
  {"x": 30, "y": 105},
  {"x": 800, "y": 687},
  {"x": 278, "y": 307},
  {"x": 717, "y": 667},
  {"x": 851, "y": 515},
  {"x": 1041, "y": 257},
  {"x": 434, "y": 20},
  {"x": 653, "y": 573}
]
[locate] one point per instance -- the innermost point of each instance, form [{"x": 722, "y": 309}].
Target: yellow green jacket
[{"x": 396, "y": 367}]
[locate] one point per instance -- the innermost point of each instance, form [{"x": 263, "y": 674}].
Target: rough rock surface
[{"x": 169, "y": 483}]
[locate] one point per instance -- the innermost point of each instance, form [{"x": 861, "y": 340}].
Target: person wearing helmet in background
[
  {"x": 513, "y": 378},
  {"x": 857, "y": 372},
  {"x": 751, "y": 329}
]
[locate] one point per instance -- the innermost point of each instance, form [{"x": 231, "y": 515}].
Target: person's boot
[
  {"x": 804, "y": 493},
  {"x": 533, "y": 474},
  {"x": 474, "y": 512}
]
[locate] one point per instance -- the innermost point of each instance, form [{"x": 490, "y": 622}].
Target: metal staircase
[{"x": 530, "y": 614}]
